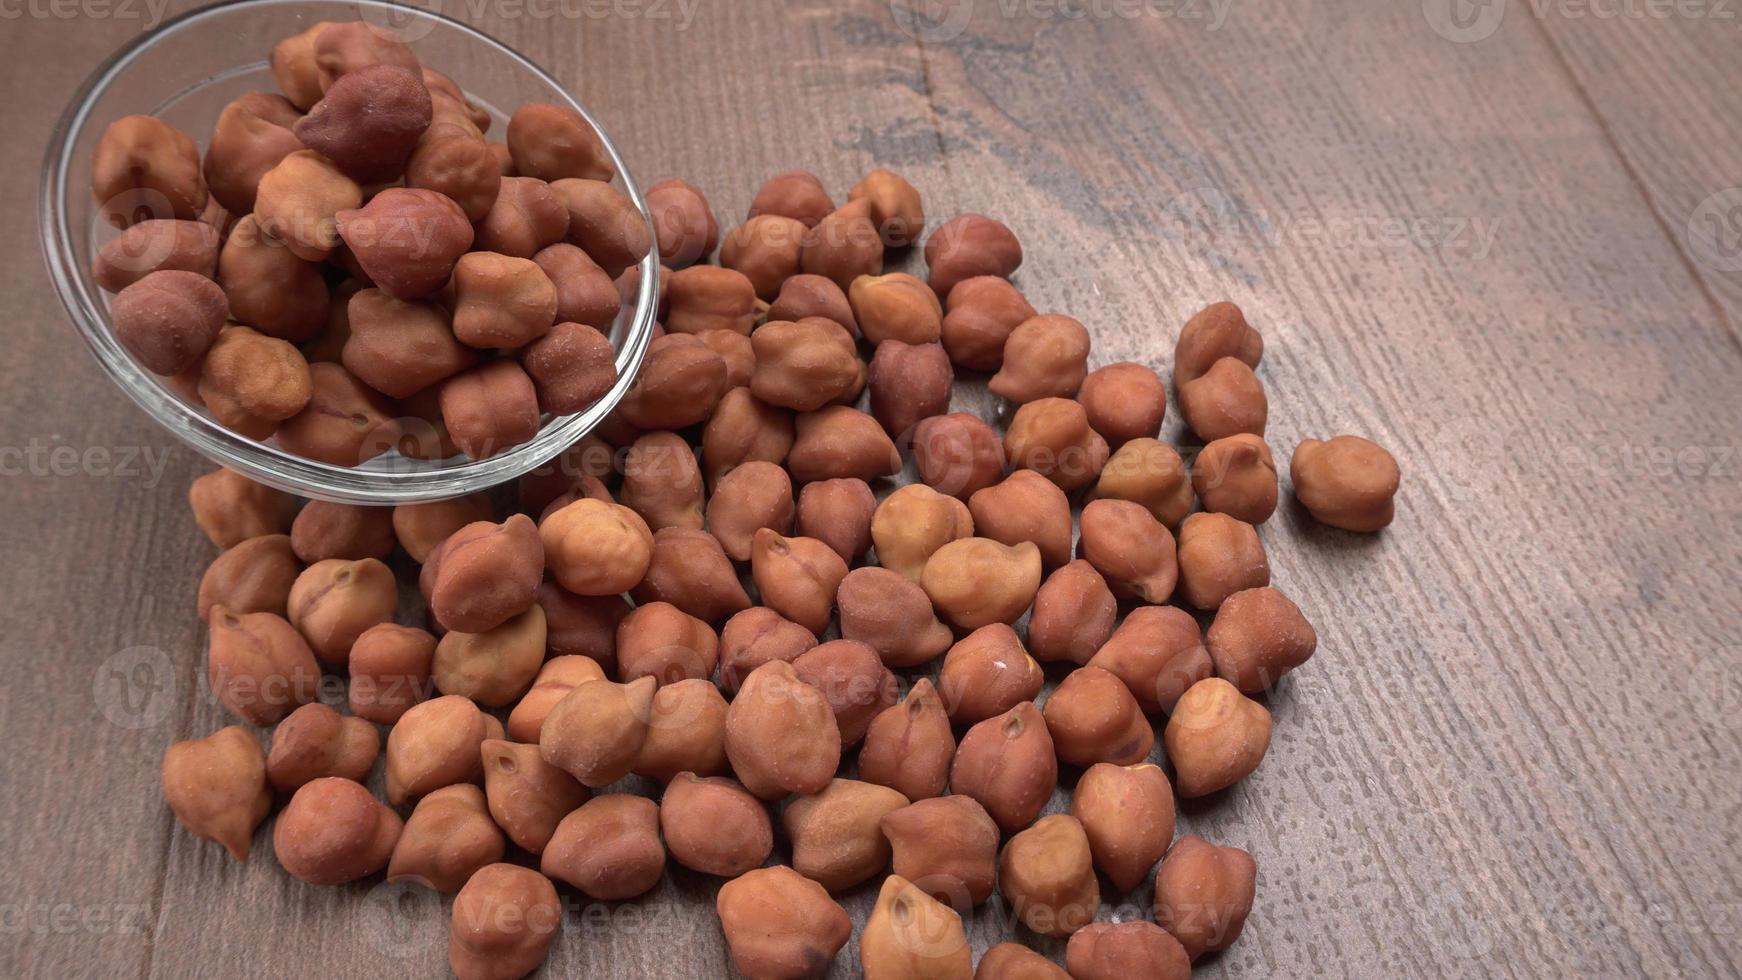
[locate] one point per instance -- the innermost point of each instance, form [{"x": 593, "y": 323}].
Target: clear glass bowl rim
[{"x": 416, "y": 481}]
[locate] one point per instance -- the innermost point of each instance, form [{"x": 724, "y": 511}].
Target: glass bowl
[{"x": 185, "y": 73}]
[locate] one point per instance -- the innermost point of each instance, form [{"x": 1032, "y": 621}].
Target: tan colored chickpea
[
  {"x": 1025, "y": 506},
  {"x": 169, "y": 319},
  {"x": 754, "y": 495},
  {"x": 596, "y": 548},
  {"x": 795, "y": 194},
  {"x": 1215, "y": 737},
  {"x": 216, "y": 787},
  {"x": 390, "y": 670},
  {"x": 604, "y": 223},
  {"x": 895, "y": 306},
  {"x": 1014, "y": 961},
  {"x": 448, "y": 838},
  {"x": 970, "y": 245},
  {"x": 1236, "y": 476},
  {"x": 231, "y": 508},
  {"x": 1225, "y": 400},
  {"x": 767, "y": 250},
  {"x": 259, "y": 666},
  {"x": 1149, "y": 472},
  {"x": 912, "y": 935},
  {"x": 527, "y": 796},
  {"x": 981, "y": 313},
  {"x": 682, "y": 380},
  {"x": 584, "y": 293},
  {"x": 1119, "y": 951},
  {"x": 254, "y": 576},
  {"x": 744, "y": 428},
  {"x": 686, "y": 731},
  {"x": 595, "y": 733},
  {"x": 145, "y": 168},
  {"x": 1124, "y": 401},
  {"x": 1127, "y": 813},
  {"x": 333, "y": 831},
  {"x": 315, "y": 741},
  {"x": 912, "y": 523},
  {"x": 345, "y": 422},
  {"x": 486, "y": 574},
  {"x": 1258, "y": 636},
  {"x": 947, "y": 846},
  {"x": 1219, "y": 556},
  {"x": 707, "y": 297},
  {"x": 1052, "y": 437},
  {"x": 778, "y": 923},
  {"x": 663, "y": 483},
  {"x": 154, "y": 245},
  {"x": 805, "y": 365},
  {"x": 298, "y": 202},
  {"x": 609, "y": 848},
  {"x": 854, "y": 681},
  {"x": 1158, "y": 651},
  {"x": 781, "y": 735},
  {"x": 1048, "y": 876},
  {"x": 1130, "y": 548},
  {"x": 1217, "y": 331},
  {"x": 505, "y": 918},
  {"x": 1044, "y": 357},
  {"x": 756, "y": 636},
  {"x": 269, "y": 288},
  {"x": 435, "y": 744},
  {"x": 797, "y": 577},
  {"x": 976, "y": 581},
  {"x": 987, "y": 673},
  {"x": 1203, "y": 894},
  {"x": 804, "y": 296},
  {"x": 495, "y": 667},
  {"x": 551, "y": 142},
  {"x": 691, "y": 572},
  {"x": 1073, "y": 616},
  {"x": 843, "y": 246},
  {"x": 836, "y": 835},
  {"x": 683, "y": 224},
  {"x": 714, "y": 825},
  {"x": 891, "y": 614},
  {"x": 1346, "y": 482},
  {"x": 661, "y": 641},
  {"x": 1092, "y": 718}
]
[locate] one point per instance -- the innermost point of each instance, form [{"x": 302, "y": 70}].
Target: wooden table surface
[{"x": 1502, "y": 239}]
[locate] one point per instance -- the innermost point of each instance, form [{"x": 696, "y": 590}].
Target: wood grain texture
[{"x": 1515, "y": 754}]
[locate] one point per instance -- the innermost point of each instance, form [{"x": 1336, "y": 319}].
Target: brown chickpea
[
  {"x": 987, "y": 673},
  {"x": 453, "y": 161},
  {"x": 909, "y": 384},
  {"x": 1007, "y": 765},
  {"x": 682, "y": 380},
  {"x": 797, "y": 577},
  {"x": 368, "y": 121},
  {"x": 231, "y": 508},
  {"x": 1236, "y": 476},
  {"x": 1124, "y": 951},
  {"x": 1124, "y": 401},
  {"x": 325, "y": 530},
  {"x": 495, "y": 667},
  {"x": 839, "y": 442},
  {"x": 778, "y": 923},
  {"x": 259, "y": 666},
  {"x": 399, "y": 348},
  {"x": 839, "y": 514},
  {"x": 1223, "y": 401},
  {"x": 1073, "y": 616},
  {"x": 1217, "y": 331},
  {"x": 253, "y": 576},
  {"x": 1346, "y": 482},
  {"x": 407, "y": 240},
  {"x": 1258, "y": 636},
  {"x": 390, "y": 670},
  {"x": 795, "y": 194},
  {"x": 714, "y": 825},
  {"x": 686, "y": 731},
  {"x": 1013, "y": 961},
  {"x": 1044, "y": 357},
  {"x": 526, "y": 218},
  {"x": 154, "y": 245},
  {"x": 505, "y": 918},
  {"x": 744, "y": 428},
  {"x": 571, "y": 367},
  {"x": 896, "y": 208},
  {"x": 804, "y": 296},
  {"x": 909, "y": 746},
  {"x": 1127, "y": 813},
  {"x": 435, "y": 744},
  {"x": 981, "y": 313},
  {"x": 251, "y": 382},
  {"x": 342, "y": 48},
  {"x": 837, "y": 837},
  {"x": 490, "y": 408},
  {"x": 294, "y": 69},
  {"x": 683, "y": 223},
  {"x": 1130, "y": 548},
  {"x": 892, "y": 615},
  {"x": 556, "y": 678},
  {"x": 766, "y": 250},
  {"x": 594, "y": 548},
  {"x": 1219, "y": 556},
  {"x": 315, "y": 741},
  {"x": 526, "y": 795},
  {"x": 501, "y": 301},
  {"x": 609, "y": 848},
  {"x": 1151, "y": 473},
  {"x": 1026, "y": 506},
  {"x": 692, "y": 572},
  {"x": 754, "y": 495},
  {"x": 970, "y": 245},
  {"x": 1215, "y": 737},
  {"x": 912, "y": 523},
  {"x": 333, "y": 831},
  {"x": 334, "y": 601},
  {"x": 584, "y": 293},
  {"x": 486, "y": 574},
  {"x": 268, "y": 287},
  {"x": 421, "y": 528},
  {"x": 252, "y": 134},
  {"x": 662, "y": 482},
  {"x": 345, "y": 423},
  {"x": 1158, "y": 651},
  {"x": 909, "y": 934},
  {"x": 854, "y": 681},
  {"x": 843, "y": 246},
  {"x": 957, "y": 453},
  {"x": 947, "y": 846},
  {"x": 169, "y": 319},
  {"x": 448, "y": 838},
  {"x": 1203, "y": 894},
  {"x": 781, "y": 735},
  {"x": 756, "y": 636},
  {"x": 145, "y": 168},
  {"x": 216, "y": 787},
  {"x": 895, "y": 306},
  {"x": 1048, "y": 876},
  {"x": 805, "y": 365},
  {"x": 1092, "y": 718},
  {"x": 661, "y": 641},
  {"x": 977, "y": 581},
  {"x": 595, "y": 733},
  {"x": 707, "y": 297},
  {"x": 1052, "y": 437},
  {"x": 604, "y": 223},
  {"x": 298, "y": 202},
  {"x": 551, "y": 142}
]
